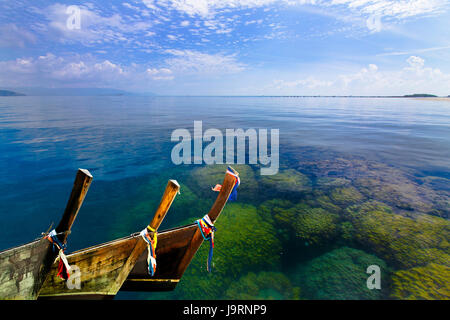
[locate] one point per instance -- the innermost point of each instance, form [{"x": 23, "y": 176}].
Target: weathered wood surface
[
  {"x": 105, "y": 267},
  {"x": 176, "y": 252},
  {"x": 80, "y": 188},
  {"x": 99, "y": 267},
  {"x": 172, "y": 246},
  {"x": 171, "y": 191},
  {"x": 24, "y": 269}
]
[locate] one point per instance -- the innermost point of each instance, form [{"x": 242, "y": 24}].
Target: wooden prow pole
[
  {"x": 197, "y": 239},
  {"x": 227, "y": 187},
  {"x": 171, "y": 191},
  {"x": 169, "y": 195},
  {"x": 80, "y": 188}
]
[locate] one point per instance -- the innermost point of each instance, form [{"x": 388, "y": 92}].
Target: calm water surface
[{"x": 125, "y": 143}]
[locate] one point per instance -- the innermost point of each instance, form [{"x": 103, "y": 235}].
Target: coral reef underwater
[
  {"x": 340, "y": 274},
  {"x": 311, "y": 231}
]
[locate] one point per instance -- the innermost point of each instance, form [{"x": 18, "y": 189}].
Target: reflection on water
[{"x": 361, "y": 182}]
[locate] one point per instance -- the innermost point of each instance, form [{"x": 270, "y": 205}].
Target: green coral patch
[
  {"x": 346, "y": 196},
  {"x": 263, "y": 285},
  {"x": 340, "y": 275},
  {"x": 188, "y": 205},
  {"x": 311, "y": 226},
  {"x": 324, "y": 202},
  {"x": 242, "y": 242},
  {"x": 326, "y": 182},
  {"x": 286, "y": 181},
  {"x": 314, "y": 225},
  {"x": 429, "y": 282},
  {"x": 404, "y": 241}
]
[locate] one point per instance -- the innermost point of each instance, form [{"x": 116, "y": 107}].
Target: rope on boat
[
  {"x": 151, "y": 245},
  {"x": 63, "y": 265},
  {"x": 207, "y": 230}
]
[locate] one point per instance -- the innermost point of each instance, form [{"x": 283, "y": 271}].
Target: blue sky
[{"x": 229, "y": 47}]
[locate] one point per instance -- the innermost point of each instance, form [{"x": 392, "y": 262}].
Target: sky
[{"x": 229, "y": 47}]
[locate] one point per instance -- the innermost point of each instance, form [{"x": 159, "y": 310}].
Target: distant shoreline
[
  {"x": 434, "y": 98},
  {"x": 10, "y": 93}
]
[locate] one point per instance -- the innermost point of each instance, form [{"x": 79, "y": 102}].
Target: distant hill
[
  {"x": 8, "y": 93},
  {"x": 36, "y": 91},
  {"x": 420, "y": 95}
]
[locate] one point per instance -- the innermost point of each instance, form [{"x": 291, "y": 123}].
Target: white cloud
[
  {"x": 392, "y": 8},
  {"x": 309, "y": 83},
  {"x": 85, "y": 70},
  {"x": 378, "y": 13},
  {"x": 130, "y": 6},
  {"x": 150, "y": 4},
  {"x": 370, "y": 13},
  {"x": 414, "y": 51},
  {"x": 364, "y": 75},
  {"x": 416, "y": 63},
  {"x": 160, "y": 74},
  {"x": 198, "y": 63},
  {"x": 208, "y": 8},
  {"x": 94, "y": 27},
  {"x": 413, "y": 77},
  {"x": 13, "y": 36},
  {"x": 51, "y": 70}
]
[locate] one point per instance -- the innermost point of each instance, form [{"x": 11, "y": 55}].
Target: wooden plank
[
  {"x": 24, "y": 269},
  {"x": 20, "y": 270},
  {"x": 99, "y": 267}
]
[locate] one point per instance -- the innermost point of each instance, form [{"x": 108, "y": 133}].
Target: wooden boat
[
  {"x": 176, "y": 248},
  {"x": 103, "y": 268},
  {"x": 24, "y": 269}
]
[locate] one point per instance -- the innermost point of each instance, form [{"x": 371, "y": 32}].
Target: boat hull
[
  {"x": 122, "y": 264},
  {"x": 102, "y": 265},
  {"x": 23, "y": 270},
  {"x": 101, "y": 270}
]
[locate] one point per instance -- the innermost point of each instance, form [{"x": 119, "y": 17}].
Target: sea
[{"x": 329, "y": 148}]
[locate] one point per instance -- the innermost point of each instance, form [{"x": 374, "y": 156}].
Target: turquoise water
[{"x": 336, "y": 156}]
